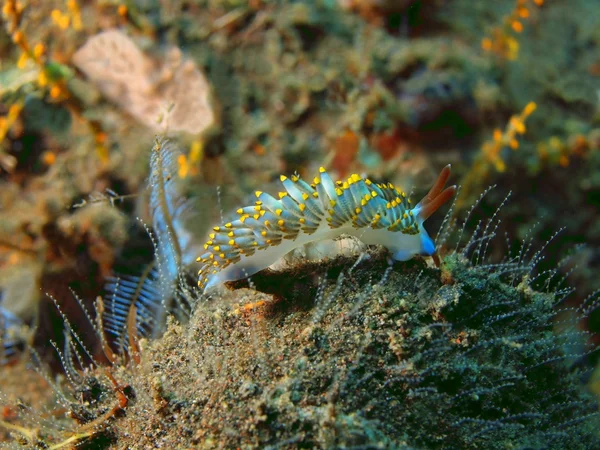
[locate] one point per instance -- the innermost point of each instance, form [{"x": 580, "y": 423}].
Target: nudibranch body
[{"x": 378, "y": 214}]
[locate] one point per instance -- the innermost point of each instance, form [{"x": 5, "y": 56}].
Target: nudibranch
[{"x": 374, "y": 213}]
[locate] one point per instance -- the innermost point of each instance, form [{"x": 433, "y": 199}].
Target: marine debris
[{"x": 170, "y": 96}]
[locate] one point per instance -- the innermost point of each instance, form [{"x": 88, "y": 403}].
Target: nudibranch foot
[{"x": 376, "y": 214}]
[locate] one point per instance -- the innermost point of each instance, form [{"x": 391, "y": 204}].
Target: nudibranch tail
[
  {"x": 377, "y": 214},
  {"x": 436, "y": 197}
]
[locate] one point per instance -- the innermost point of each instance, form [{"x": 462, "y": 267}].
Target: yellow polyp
[
  {"x": 258, "y": 193},
  {"x": 228, "y": 225},
  {"x": 282, "y": 178},
  {"x": 368, "y": 182},
  {"x": 316, "y": 180},
  {"x": 222, "y": 255},
  {"x": 64, "y": 22},
  {"x": 523, "y": 13},
  {"x": 196, "y": 151},
  {"x": 280, "y": 222},
  {"x": 513, "y": 48},
  {"x": 215, "y": 263},
  {"x": 294, "y": 178},
  {"x": 55, "y": 91},
  {"x": 357, "y": 210},
  {"x": 500, "y": 165},
  {"x": 302, "y": 207},
  {"x": 48, "y": 158},
  {"x": 302, "y": 220},
  {"x": 216, "y": 248},
  {"x": 240, "y": 211},
  {"x": 339, "y": 192},
  {"x": 520, "y": 127},
  {"x": 517, "y": 26},
  {"x": 216, "y": 228},
  {"x": 42, "y": 79},
  {"x": 332, "y": 203},
  {"x": 514, "y": 144},
  {"x": 322, "y": 169},
  {"x": 231, "y": 242},
  {"x": 305, "y": 196},
  {"x": 315, "y": 194},
  {"x": 263, "y": 233},
  {"x": 55, "y": 15},
  {"x": 183, "y": 166},
  {"x": 267, "y": 223},
  {"x": 22, "y": 62},
  {"x": 278, "y": 211},
  {"x": 529, "y": 108},
  {"x": 39, "y": 50},
  {"x": 256, "y": 216},
  {"x": 373, "y": 194}
]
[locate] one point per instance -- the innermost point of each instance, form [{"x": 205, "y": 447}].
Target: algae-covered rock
[{"x": 366, "y": 357}]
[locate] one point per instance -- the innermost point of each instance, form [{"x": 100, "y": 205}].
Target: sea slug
[{"x": 374, "y": 213}]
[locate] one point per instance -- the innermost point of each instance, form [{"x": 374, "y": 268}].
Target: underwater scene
[{"x": 300, "y": 224}]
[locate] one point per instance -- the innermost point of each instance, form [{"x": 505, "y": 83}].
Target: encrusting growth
[{"x": 304, "y": 213}]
